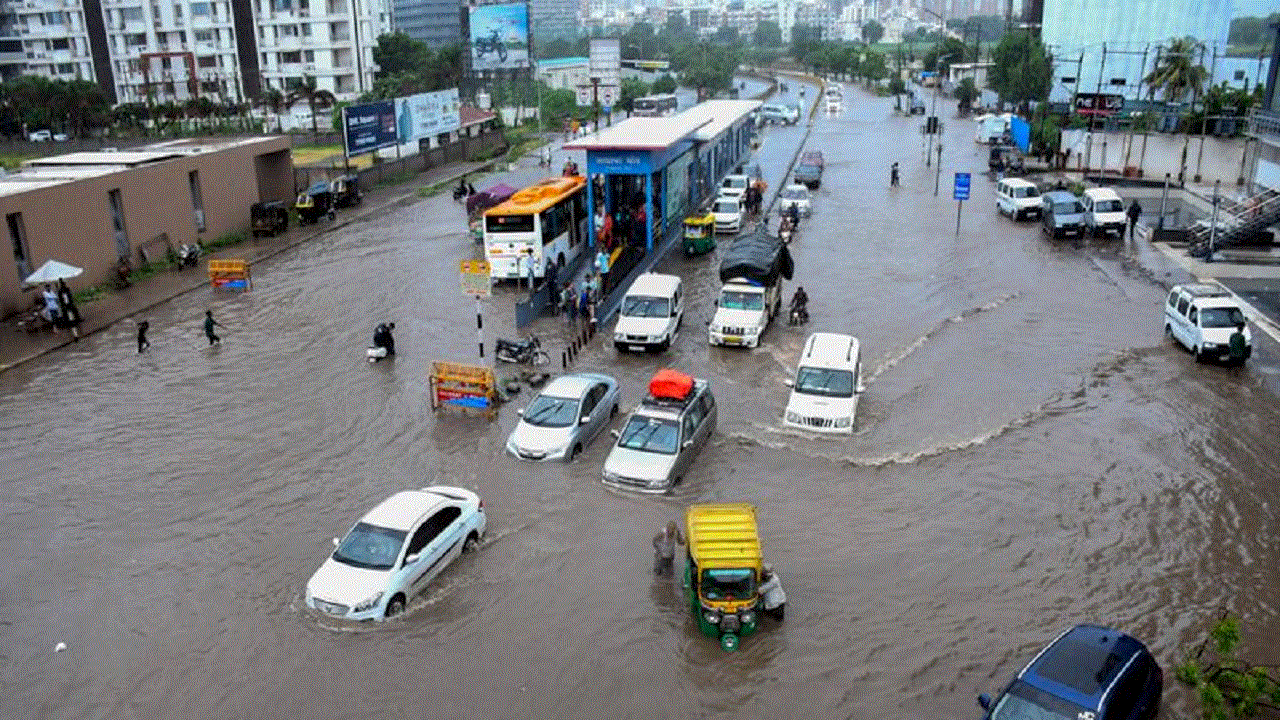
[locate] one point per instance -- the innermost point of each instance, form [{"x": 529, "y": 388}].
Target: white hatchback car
[
  {"x": 795, "y": 194},
  {"x": 734, "y": 185},
  {"x": 395, "y": 550},
  {"x": 824, "y": 395}
]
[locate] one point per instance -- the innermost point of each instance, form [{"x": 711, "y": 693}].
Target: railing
[{"x": 1264, "y": 122}]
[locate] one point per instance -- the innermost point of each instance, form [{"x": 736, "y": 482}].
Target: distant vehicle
[
  {"x": 779, "y": 114},
  {"x": 813, "y": 157},
  {"x": 734, "y": 185},
  {"x": 797, "y": 195},
  {"x": 662, "y": 435},
  {"x": 808, "y": 173},
  {"x": 654, "y": 106},
  {"x": 40, "y": 136},
  {"x": 391, "y": 554},
  {"x": 548, "y": 218},
  {"x": 1087, "y": 672},
  {"x": 1018, "y": 198},
  {"x": 993, "y": 129},
  {"x": 1104, "y": 212},
  {"x": 564, "y": 417}
]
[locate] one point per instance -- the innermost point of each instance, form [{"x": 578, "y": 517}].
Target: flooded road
[{"x": 1030, "y": 454}]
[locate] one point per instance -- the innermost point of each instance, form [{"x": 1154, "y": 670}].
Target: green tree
[
  {"x": 397, "y": 53},
  {"x": 1226, "y": 686},
  {"x": 950, "y": 48},
  {"x": 1178, "y": 71},
  {"x": 805, "y": 40},
  {"x": 273, "y": 100},
  {"x": 639, "y": 42},
  {"x": 315, "y": 97},
  {"x": 1251, "y": 31},
  {"x": 873, "y": 67},
  {"x": 664, "y": 85},
  {"x": 966, "y": 93},
  {"x": 1022, "y": 70},
  {"x": 726, "y": 34},
  {"x": 767, "y": 34},
  {"x": 872, "y": 31},
  {"x": 632, "y": 88}
]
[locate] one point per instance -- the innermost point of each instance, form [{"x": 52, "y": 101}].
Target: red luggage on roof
[{"x": 670, "y": 384}]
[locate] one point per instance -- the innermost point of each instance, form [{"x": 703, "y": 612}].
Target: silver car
[
  {"x": 660, "y": 440},
  {"x": 564, "y": 417}
]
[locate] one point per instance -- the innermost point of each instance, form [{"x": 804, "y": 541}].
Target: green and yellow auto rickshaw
[
  {"x": 723, "y": 570},
  {"x": 699, "y": 234}
]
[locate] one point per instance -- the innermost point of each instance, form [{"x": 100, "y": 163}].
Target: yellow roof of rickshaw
[
  {"x": 700, "y": 219},
  {"x": 723, "y": 535}
]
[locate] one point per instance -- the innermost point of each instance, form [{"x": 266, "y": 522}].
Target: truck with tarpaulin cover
[{"x": 752, "y": 271}]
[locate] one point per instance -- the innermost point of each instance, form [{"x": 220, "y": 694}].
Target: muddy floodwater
[{"x": 1030, "y": 453}]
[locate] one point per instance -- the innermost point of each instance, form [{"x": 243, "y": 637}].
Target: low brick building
[{"x": 90, "y": 209}]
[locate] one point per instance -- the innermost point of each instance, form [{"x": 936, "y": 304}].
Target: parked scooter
[
  {"x": 528, "y": 351},
  {"x": 189, "y": 255}
]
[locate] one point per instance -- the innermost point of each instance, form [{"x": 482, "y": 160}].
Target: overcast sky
[{"x": 1255, "y": 8}]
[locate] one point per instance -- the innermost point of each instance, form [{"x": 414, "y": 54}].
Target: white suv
[
  {"x": 651, "y": 313},
  {"x": 824, "y": 395},
  {"x": 1203, "y": 317}
]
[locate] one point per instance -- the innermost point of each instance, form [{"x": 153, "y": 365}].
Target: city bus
[
  {"x": 549, "y": 218},
  {"x": 653, "y": 106}
]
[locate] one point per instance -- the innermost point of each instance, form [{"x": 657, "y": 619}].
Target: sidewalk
[{"x": 18, "y": 346}]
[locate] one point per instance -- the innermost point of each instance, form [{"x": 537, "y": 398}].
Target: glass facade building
[
  {"x": 1077, "y": 31},
  {"x": 435, "y": 22}
]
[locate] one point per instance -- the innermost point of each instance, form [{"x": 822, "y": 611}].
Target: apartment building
[
  {"x": 175, "y": 50},
  {"x": 434, "y": 22},
  {"x": 554, "y": 20}
]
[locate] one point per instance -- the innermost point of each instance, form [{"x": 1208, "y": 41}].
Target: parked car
[
  {"x": 808, "y": 173},
  {"x": 564, "y": 417},
  {"x": 734, "y": 185},
  {"x": 1104, "y": 212},
  {"x": 1061, "y": 214},
  {"x": 1087, "y": 672},
  {"x": 662, "y": 435},
  {"x": 1203, "y": 317},
  {"x": 795, "y": 194},
  {"x": 651, "y": 313},
  {"x": 727, "y": 211},
  {"x": 1018, "y": 199},
  {"x": 391, "y": 554},
  {"x": 824, "y": 394},
  {"x": 40, "y": 136}
]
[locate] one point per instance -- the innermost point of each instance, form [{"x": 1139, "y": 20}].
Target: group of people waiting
[{"x": 58, "y": 308}]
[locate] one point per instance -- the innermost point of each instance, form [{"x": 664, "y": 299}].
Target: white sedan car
[
  {"x": 395, "y": 550},
  {"x": 795, "y": 194}
]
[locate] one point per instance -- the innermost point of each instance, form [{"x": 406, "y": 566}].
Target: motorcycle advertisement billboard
[
  {"x": 368, "y": 127},
  {"x": 427, "y": 114},
  {"x": 499, "y": 36}
]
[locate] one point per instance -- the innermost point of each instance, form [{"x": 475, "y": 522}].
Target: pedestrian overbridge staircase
[{"x": 1237, "y": 221}]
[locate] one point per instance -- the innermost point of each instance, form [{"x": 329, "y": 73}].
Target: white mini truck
[{"x": 752, "y": 271}]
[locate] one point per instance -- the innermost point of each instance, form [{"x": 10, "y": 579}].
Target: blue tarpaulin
[{"x": 1021, "y": 131}]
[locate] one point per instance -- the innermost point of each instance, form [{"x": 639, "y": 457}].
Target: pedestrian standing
[
  {"x": 143, "y": 342},
  {"x": 1134, "y": 212},
  {"x": 664, "y": 549},
  {"x": 893, "y": 175},
  {"x": 553, "y": 270},
  {"x": 602, "y": 262},
  {"x": 70, "y": 313},
  {"x": 584, "y": 302},
  {"x": 52, "y": 310},
  {"x": 209, "y": 324},
  {"x": 529, "y": 266},
  {"x": 569, "y": 301}
]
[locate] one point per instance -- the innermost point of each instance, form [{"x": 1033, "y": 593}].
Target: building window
[
  {"x": 199, "y": 9},
  {"x": 204, "y": 36},
  {"x": 131, "y": 14},
  {"x": 287, "y": 31},
  {"x": 208, "y": 61},
  {"x": 66, "y": 68},
  {"x": 61, "y": 44},
  {"x": 136, "y": 40},
  {"x": 292, "y": 57}
]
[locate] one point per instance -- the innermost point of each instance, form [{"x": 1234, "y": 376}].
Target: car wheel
[
  {"x": 1168, "y": 332},
  {"x": 1200, "y": 356},
  {"x": 395, "y": 606},
  {"x": 577, "y": 448},
  {"x": 472, "y": 542},
  {"x": 613, "y": 412}
]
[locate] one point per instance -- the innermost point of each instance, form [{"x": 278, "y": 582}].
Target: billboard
[
  {"x": 1099, "y": 103},
  {"x": 368, "y": 127},
  {"x": 499, "y": 36},
  {"x": 427, "y": 114}
]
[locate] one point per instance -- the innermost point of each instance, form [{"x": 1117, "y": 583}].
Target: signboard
[
  {"x": 499, "y": 36},
  {"x": 368, "y": 127},
  {"x": 961, "y": 191},
  {"x": 427, "y": 114},
  {"x": 475, "y": 278},
  {"x": 1099, "y": 103},
  {"x": 465, "y": 387},
  {"x": 605, "y": 62},
  {"x": 607, "y": 94}
]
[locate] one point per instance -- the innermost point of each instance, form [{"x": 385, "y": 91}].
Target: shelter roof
[{"x": 703, "y": 121}]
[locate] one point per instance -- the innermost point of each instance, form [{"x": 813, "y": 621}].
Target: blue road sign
[{"x": 962, "y": 186}]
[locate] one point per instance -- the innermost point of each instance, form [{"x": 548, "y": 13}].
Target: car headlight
[
  {"x": 793, "y": 417},
  {"x": 619, "y": 336},
  {"x": 367, "y": 604},
  {"x": 842, "y": 422},
  {"x": 748, "y": 617},
  {"x": 712, "y": 617},
  {"x": 753, "y": 331},
  {"x": 716, "y": 328},
  {"x": 656, "y": 482},
  {"x": 1210, "y": 345}
]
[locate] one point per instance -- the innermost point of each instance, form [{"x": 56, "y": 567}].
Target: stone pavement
[{"x": 18, "y": 346}]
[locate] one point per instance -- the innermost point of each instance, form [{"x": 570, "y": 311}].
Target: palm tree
[
  {"x": 1177, "y": 71},
  {"x": 316, "y": 97},
  {"x": 273, "y": 100}
]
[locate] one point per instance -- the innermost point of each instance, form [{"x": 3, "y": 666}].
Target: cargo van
[
  {"x": 1018, "y": 198},
  {"x": 1103, "y": 212},
  {"x": 651, "y": 313}
]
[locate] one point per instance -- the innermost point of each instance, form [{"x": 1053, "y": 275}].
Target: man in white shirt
[{"x": 775, "y": 598}]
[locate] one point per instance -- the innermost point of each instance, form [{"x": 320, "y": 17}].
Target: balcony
[{"x": 1265, "y": 125}]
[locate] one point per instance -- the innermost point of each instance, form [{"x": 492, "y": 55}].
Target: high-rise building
[
  {"x": 1100, "y": 46},
  {"x": 435, "y": 22},
  {"x": 554, "y": 20},
  {"x": 172, "y": 51}
]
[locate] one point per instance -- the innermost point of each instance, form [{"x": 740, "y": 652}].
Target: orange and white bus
[{"x": 549, "y": 218}]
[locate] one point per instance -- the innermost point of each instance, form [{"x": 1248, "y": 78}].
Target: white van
[
  {"x": 651, "y": 313},
  {"x": 1018, "y": 199},
  {"x": 1103, "y": 212},
  {"x": 824, "y": 395},
  {"x": 1203, "y": 316}
]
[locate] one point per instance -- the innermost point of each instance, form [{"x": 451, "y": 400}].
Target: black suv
[{"x": 1088, "y": 672}]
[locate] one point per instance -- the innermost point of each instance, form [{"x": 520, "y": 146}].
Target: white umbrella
[{"x": 52, "y": 270}]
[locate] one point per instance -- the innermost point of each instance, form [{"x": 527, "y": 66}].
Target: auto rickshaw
[
  {"x": 314, "y": 203},
  {"x": 699, "y": 234},
  {"x": 269, "y": 218},
  {"x": 346, "y": 191},
  {"x": 723, "y": 570}
]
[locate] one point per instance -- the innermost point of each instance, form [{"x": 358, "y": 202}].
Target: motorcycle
[
  {"x": 528, "y": 351},
  {"x": 799, "y": 314},
  {"x": 188, "y": 256},
  {"x": 493, "y": 43},
  {"x": 786, "y": 230}
]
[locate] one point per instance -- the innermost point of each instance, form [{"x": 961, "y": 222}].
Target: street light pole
[
  {"x": 595, "y": 101},
  {"x": 937, "y": 82}
]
